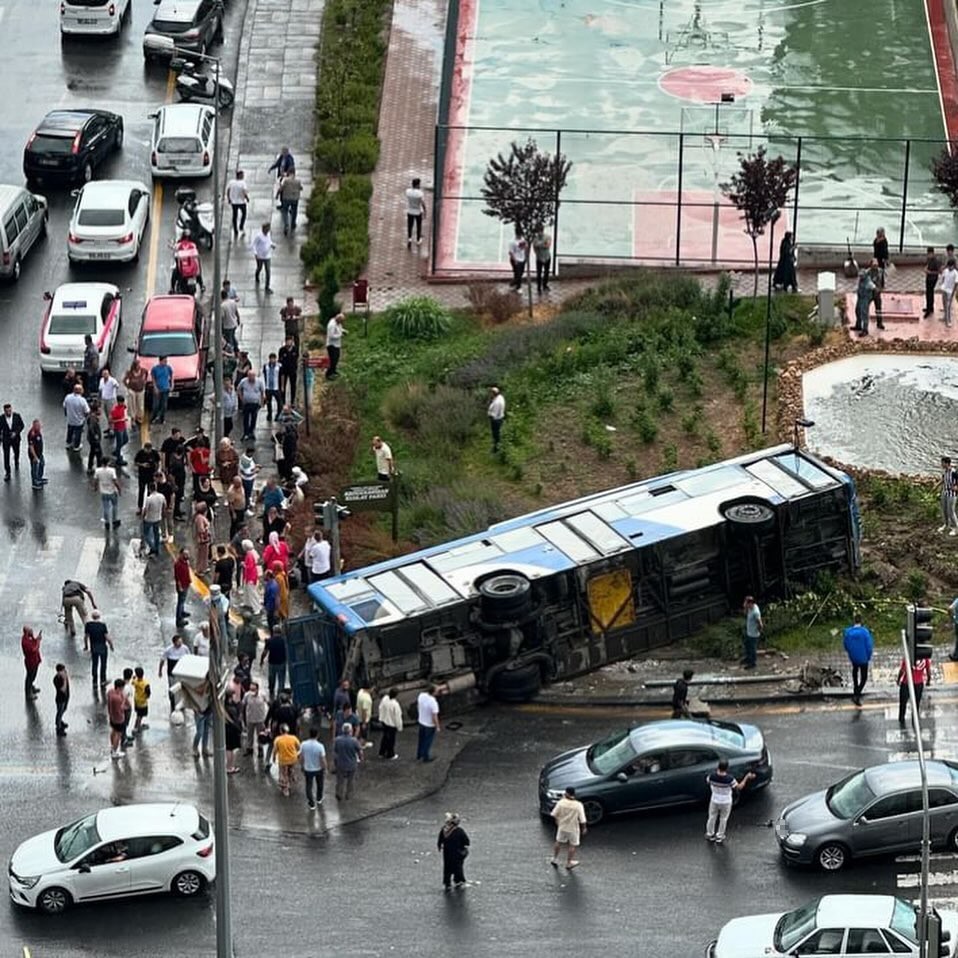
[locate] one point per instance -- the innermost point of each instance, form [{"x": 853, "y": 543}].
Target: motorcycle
[
  {"x": 195, "y": 219},
  {"x": 195, "y": 86},
  {"x": 187, "y": 272}
]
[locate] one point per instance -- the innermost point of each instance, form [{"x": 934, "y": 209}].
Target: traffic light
[
  {"x": 325, "y": 511},
  {"x": 918, "y": 630}
]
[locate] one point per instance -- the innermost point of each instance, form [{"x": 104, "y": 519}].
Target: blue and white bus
[{"x": 572, "y": 587}]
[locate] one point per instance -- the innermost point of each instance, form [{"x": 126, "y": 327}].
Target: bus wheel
[
  {"x": 749, "y": 516},
  {"x": 504, "y": 597},
  {"x": 517, "y": 684}
]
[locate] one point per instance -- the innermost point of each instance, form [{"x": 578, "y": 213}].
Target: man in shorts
[
  {"x": 569, "y": 815},
  {"x": 116, "y": 712}
]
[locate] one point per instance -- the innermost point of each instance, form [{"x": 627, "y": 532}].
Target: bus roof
[{"x": 568, "y": 535}]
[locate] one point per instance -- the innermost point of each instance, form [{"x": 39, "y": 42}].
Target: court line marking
[{"x": 934, "y": 59}]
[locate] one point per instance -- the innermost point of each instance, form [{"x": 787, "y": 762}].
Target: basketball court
[{"x": 652, "y": 100}]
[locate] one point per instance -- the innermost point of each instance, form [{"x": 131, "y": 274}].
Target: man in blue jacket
[{"x": 859, "y": 646}]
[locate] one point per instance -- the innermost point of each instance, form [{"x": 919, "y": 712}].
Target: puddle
[{"x": 884, "y": 411}]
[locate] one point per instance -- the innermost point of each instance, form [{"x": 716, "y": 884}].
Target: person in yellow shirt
[
  {"x": 141, "y": 699},
  {"x": 286, "y": 749},
  {"x": 364, "y": 710}
]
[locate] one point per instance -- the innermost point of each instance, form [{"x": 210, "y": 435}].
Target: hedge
[{"x": 338, "y": 228}]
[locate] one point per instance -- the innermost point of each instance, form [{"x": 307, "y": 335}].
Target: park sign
[{"x": 368, "y": 497}]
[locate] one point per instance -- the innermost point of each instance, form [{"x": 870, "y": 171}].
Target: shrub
[
  {"x": 635, "y": 294},
  {"x": 666, "y": 399},
  {"x": 603, "y": 400},
  {"x": 602, "y": 443},
  {"x": 477, "y": 295},
  {"x": 501, "y": 306},
  {"x": 670, "y": 458},
  {"x": 714, "y": 443},
  {"x": 690, "y": 423},
  {"x": 694, "y": 384},
  {"x": 338, "y": 228},
  {"x": 750, "y": 424},
  {"x": 650, "y": 374},
  {"x": 645, "y": 425},
  {"x": 916, "y": 586},
  {"x": 686, "y": 365},
  {"x": 403, "y": 405},
  {"x": 329, "y": 306},
  {"x": 440, "y": 416},
  {"x": 417, "y": 317},
  {"x": 631, "y": 470},
  {"x": 449, "y": 512}
]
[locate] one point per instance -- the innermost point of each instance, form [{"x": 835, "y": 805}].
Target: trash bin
[{"x": 826, "y": 298}]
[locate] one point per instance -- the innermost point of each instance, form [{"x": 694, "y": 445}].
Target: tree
[
  {"x": 944, "y": 168},
  {"x": 758, "y": 191},
  {"x": 522, "y": 190}
]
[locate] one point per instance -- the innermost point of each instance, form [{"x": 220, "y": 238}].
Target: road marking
[
  {"x": 934, "y": 857},
  {"x": 909, "y": 880},
  {"x": 905, "y": 736},
  {"x": 91, "y": 555},
  {"x": 932, "y": 754}
]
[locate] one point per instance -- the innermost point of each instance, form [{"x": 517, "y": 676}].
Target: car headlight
[
  {"x": 554, "y": 794},
  {"x": 27, "y": 882},
  {"x": 796, "y": 839}
]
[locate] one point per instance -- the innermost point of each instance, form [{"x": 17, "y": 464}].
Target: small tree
[
  {"x": 944, "y": 168},
  {"x": 329, "y": 306},
  {"x": 758, "y": 190},
  {"x": 522, "y": 190}
]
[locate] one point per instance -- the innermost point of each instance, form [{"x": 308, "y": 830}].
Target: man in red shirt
[
  {"x": 920, "y": 675},
  {"x": 199, "y": 457},
  {"x": 120, "y": 424},
  {"x": 116, "y": 712},
  {"x": 30, "y": 646},
  {"x": 183, "y": 576}
]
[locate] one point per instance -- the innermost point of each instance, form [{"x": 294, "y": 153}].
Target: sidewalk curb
[{"x": 586, "y": 701}]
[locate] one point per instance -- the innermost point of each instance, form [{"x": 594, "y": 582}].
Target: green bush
[
  {"x": 670, "y": 458},
  {"x": 439, "y": 416},
  {"x": 602, "y": 405},
  {"x": 645, "y": 425},
  {"x": 417, "y": 317},
  {"x": 650, "y": 374},
  {"x": 690, "y": 423},
  {"x": 338, "y": 228},
  {"x": 403, "y": 405},
  {"x": 602, "y": 443},
  {"x": 666, "y": 399}
]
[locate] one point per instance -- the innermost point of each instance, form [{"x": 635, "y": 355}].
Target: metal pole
[
  {"x": 678, "y": 205},
  {"x": 334, "y": 536},
  {"x": 768, "y": 321},
  {"x": 798, "y": 180},
  {"x": 306, "y": 392},
  {"x": 554, "y": 264},
  {"x": 217, "y": 282},
  {"x": 904, "y": 199},
  {"x": 437, "y": 175},
  {"x": 224, "y": 916},
  {"x": 925, "y": 820}
]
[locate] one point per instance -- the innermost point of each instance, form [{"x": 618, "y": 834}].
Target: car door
[
  {"x": 102, "y": 873},
  {"x": 640, "y": 783},
  {"x": 943, "y": 809},
  {"x": 137, "y": 210},
  {"x": 862, "y": 942},
  {"x": 153, "y": 862},
  {"x": 887, "y": 825},
  {"x": 824, "y": 941},
  {"x": 94, "y": 142},
  {"x": 688, "y": 769}
]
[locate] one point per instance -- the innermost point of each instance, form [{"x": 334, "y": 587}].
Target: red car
[{"x": 175, "y": 327}]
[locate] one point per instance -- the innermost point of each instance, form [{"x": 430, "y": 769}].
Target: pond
[{"x": 888, "y": 411}]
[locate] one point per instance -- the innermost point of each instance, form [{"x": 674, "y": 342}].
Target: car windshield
[
  {"x": 179, "y": 144},
  {"x": 76, "y": 839},
  {"x": 793, "y": 926},
  {"x": 94, "y": 217},
  {"x": 167, "y": 344},
  {"x": 45, "y": 143},
  {"x": 904, "y": 920},
  {"x": 849, "y": 796},
  {"x": 610, "y": 754},
  {"x": 72, "y": 324}
]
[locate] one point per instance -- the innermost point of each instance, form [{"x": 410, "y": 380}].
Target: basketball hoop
[{"x": 715, "y": 140}]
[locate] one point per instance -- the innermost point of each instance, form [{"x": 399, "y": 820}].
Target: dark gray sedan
[{"x": 875, "y": 811}]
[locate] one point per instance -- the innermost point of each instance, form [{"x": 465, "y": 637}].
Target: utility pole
[
  {"x": 331, "y": 523},
  {"x": 217, "y": 281}
]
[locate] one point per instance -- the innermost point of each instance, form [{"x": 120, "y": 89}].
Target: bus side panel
[{"x": 315, "y": 655}]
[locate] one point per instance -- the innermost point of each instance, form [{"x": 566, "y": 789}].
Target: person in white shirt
[
  {"x": 238, "y": 198},
  {"x": 497, "y": 412},
  {"x": 335, "y": 330},
  {"x": 946, "y": 285},
  {"x": 518, "y": 250},
  {"x": 108, "y": 391},
  {"x": 154, "y": 507},
  {"x": 76, "y": 409},
  {"x": 385, "y": 465},
  {"x": 263, "y": 247},
  {"x": 428, "y": 717},
  {"x": 415, "y": 210},
  {"x": 230, "y": 319},
  {"x": 109, "y": 487},
  {"x": 569, "y": 816},
  {"x": 390, "y": 717},
  {"x": 316, "y": 555}
]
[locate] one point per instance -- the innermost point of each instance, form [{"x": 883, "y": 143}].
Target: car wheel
[
  {"x": 517, "y": 684},
  {"x": 87, "y": 172},
  {"x": 749, "y": 516},
  {"x": 187, "y": 884},
  {"x": 17, "y": 266},
  {"x": 953, "y": 841},
  {"x": 118, "y": 139},
  {"x": 832, "y": 857},
  {"x": 594, "y": 811},
  {"x": 54, "y": 901}
]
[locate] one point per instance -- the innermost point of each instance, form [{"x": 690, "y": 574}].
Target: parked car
[
  {"x": 23, "y": 221},
  {"x": 193, "y": 25},
  {"x": 108, "y": 222},
  {"x": 875, "y": 811},
  {"x": 115, "y": 853},
  {"x": 182, "y": 141},
  {"x": 71, "y": 144},
  {"x": 850, "y": 925},
  {"x": 92, "y": 17},
  {"x": 175, "y": 327},
  {"x": 73, "y": 311},
  {"x": 655, "y": 764}
]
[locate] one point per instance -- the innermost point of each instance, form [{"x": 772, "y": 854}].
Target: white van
[
  {"x": 182, "y": 140},
  {"x": 23, "y": 220},
  {"x": 92, "y": 17}
]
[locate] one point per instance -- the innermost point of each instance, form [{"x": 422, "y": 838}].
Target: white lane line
[
  {"x": 90, "y": 557},
  {"x": 908, "y": 880},
  {"x": 927, "y": 712},
  {"x": 934, "y": 856},
  {"x": 904, "y": 736},
  {"x": 938, "y": 754}
]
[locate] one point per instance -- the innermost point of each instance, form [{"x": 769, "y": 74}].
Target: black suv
[
  {"x": 192, "y": 25},
  {"x": 71, "y": 144}
]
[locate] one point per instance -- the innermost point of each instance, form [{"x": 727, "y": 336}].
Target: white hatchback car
[
  {"x": 115, "y": 853},
  {"x": 182, "y": 142},
  {"x": 108, "y": 222},
  {"x": 74, "y": 311},
  {"x": 850, "y": 925},
  {"x": 92, "y": 17}
]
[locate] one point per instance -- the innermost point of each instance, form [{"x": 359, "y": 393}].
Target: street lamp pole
[{"x": 773, "y": 219}]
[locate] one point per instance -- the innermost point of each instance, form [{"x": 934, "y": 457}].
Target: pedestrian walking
[
  {"x": 233, "y": 733},
  {"x": 109, "y": 487},
  {"x": 312, "y": 755},
  {"x": 542, "y": 247},
  {"x": 230, "y": 319},
  {"x": 91, "y": 364},
  {"x": 946, "y": 286},
  {"x": 30, "y": 647},
  {"x": 254, "y": 710},
  {"x": 785, "y": 278},
  {"x": 97, "y": 640},
  {"x": 347, "y": 754},
  {"x": 385, "y": 464},
  {"x": 680, "y": 696},
  {"x": 569, "y": 816},
  {"x": 722, "y": 783},
  {"x": 75, "y": 409},
  {"x": 276, "y": 551},
  {"x": 116, "y": 714},
  {"x": 154, "y": 509},
  {"x": 262, "y": 247},
  {"x": 289, "y": 368},
  {"x": 946, "y": 497},
  {"x": 120, "y": 424},
  {"x": 932, "y": 272},
  {"x": 290, "y": 191},
  {"x": 427, "y": 716},
  {"x": 72, "y": 599},
  {"x": 415, "y": 211},
  {"x": 864, "y": 293},
  {"x": 251, "y": 393},
  {"x": 754, "y": 627},
  {"x": 94, "y": 438},
  {"x": 202, "y": 538},
  {"x": 859, "y": 645},
  {"x": 249, "y": 594},
  {"x": 880, "y": 252},
  {"x": 287, "y": 747},
  {"x": 247, "y": 473},
  {"x": 390, "y": 718},
  {"x": 283, "y": 163},
  {"x": 518, "y": 252},
  {"x": 177, "y": 473},
  {"x": 35, "y": 454},
  {"x": 335, "y": 330},
  {"x": 281, "y": 712},
  {"x": 11, "y": 427},
  {"x": 61, "y": 697},
  {"x": 128, "y": 709},
  {"x": 364, "y": 712},
  {"x": 183, "y": 579},
  {"x": 147, "y": 461},
  {"x": 453, "y": 842},
  {"x": 274, "y": 653},
  {"x": 141, "y": 699},
  {"x": 877, "y": 276},
  {"x": 496, "y": 413},
  {"x": 230, "y": 406},
  {"x": 171, "y": 655},
  {"x": 238, "y": 198},
  {"x": 920, "y": 676},
  {"x": 271, "y": 374},
  {"x": 134, "y": 382},
  {"x": 203, "y": 726},
  {"x": 162, "y": 377},
  {"x": 109, "y": 390}
]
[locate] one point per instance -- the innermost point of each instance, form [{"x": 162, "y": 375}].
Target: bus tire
[
  {"x": 749, "y": 516},
  {"x": 517, "y": 684},
  {"x": 504, "y": 597}
]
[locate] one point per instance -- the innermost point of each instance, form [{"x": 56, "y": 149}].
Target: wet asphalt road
[{"x": 648, "y": 885}]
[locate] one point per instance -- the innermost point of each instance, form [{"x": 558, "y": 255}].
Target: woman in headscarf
[
  {"x": 454, "y": 844},
  {"x": 227, "y": 461},
  {"x": 276, "y": 551},
  {"x": 203, "y": 536},
  {"x": 250, "y": 578},
  {"x": 785, "y": 270},
  {"x": 282, "y": 580}
]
